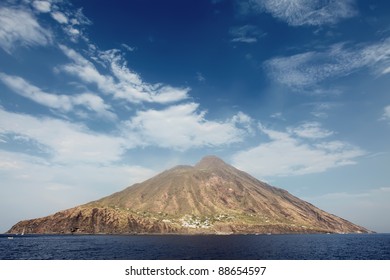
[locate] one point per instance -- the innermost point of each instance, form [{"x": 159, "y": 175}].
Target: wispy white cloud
[
  {"x": 2, "y": 139},
  {"x": 242, "y": 120},
  {"x": 75, "y": 176},
  {"x": 42, "y": 6},
  {"x": 246, "y": 34},
  {"x": 311, "y": 130},
  {"x": 386, "y": 113},
  {"x": 278, "y": 116},
  {"x": 85, "y": 70},
  {"x": 288, "y": 153},
  {"x": 66, "y": 142},
  {"x": 71, "y": 21},
  {"x": 121, "y": 82},
  {"x": 200, "y": 77},
  {"x": 182, "y": 127},
  {"x": 60, "y": 17},
  {"x": 114, "y": 60},
  {"x": 94, "y": 103},
  {"x": 321, "y": 109},
  {"x": 35, "y": 169},
  {"x": 23, "y": 88},
  {"x": 386, "y": 70},
  {"x": 19, "y": 27},
  {"x": 128, "y": 48},
  {"x": 291, "y": 70},
  {"x": 62, "y": 102},
  {"x": 308, "y": 69},
  {"x": 303, "y": 12}
]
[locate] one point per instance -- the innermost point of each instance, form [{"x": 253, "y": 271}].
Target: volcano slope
[{"x": 211, "y": 197}]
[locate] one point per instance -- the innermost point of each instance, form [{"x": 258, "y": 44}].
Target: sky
[{"x": 98, "y": 95}]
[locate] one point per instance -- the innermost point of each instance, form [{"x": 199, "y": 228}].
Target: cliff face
[
  {"x": 92, "y": 220},
  {"x": 208, "y": 198}
]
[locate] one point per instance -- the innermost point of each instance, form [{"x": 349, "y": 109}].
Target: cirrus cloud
[
  {"x": 19, "y": 27},
  {"x": 310, "y": 130},
  {"x": 246, "y": 34},
  {"x": 65, "y": 142},
  {"x": 287, "y": 153},
  {"x": 303, "y": 12},
  {"x": 60, "y": 17},
  {"x": 120, "y": 82},
  {"x": 307, "y": 70},
  {"x": 62, "y": 102},
  {"x": 386, "y": 113},
  {"x": 42, "y": 6}
]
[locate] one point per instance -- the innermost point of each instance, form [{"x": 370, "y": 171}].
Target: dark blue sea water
[{"x": 265, "y": 247}]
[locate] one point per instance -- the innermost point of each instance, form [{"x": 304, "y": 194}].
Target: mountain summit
[
  {"x": 211, "y": 162},
  {"x": 211, "y": 197}
]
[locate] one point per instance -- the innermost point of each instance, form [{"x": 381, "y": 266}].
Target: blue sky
[{"x": 97, "y": 95}]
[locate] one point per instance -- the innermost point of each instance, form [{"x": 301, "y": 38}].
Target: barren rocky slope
[{"x": 211, "y": 197}]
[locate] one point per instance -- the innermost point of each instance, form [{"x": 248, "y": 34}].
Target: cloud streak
[
  {"x": 246, "y": 34},
  {"x": 386, "y": 113},
  {"x": 310, "y": 130},
  {"x": 288, "y": 153},
  {"x": 304, "y": 12},
  {"x": 19, "y": 27},
  {"x": 306, "y": 70},
  {"x": 42, "y": 6},
  {"x": 65, "y": 142},
  {"x": 121, "y": 82},
  {"x": 64, "y": 103}
]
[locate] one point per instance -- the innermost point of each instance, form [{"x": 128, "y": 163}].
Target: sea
[{"x": 196, "y": 247}]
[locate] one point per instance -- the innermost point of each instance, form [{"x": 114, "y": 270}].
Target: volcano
[{"x": 211, "y": 197}]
